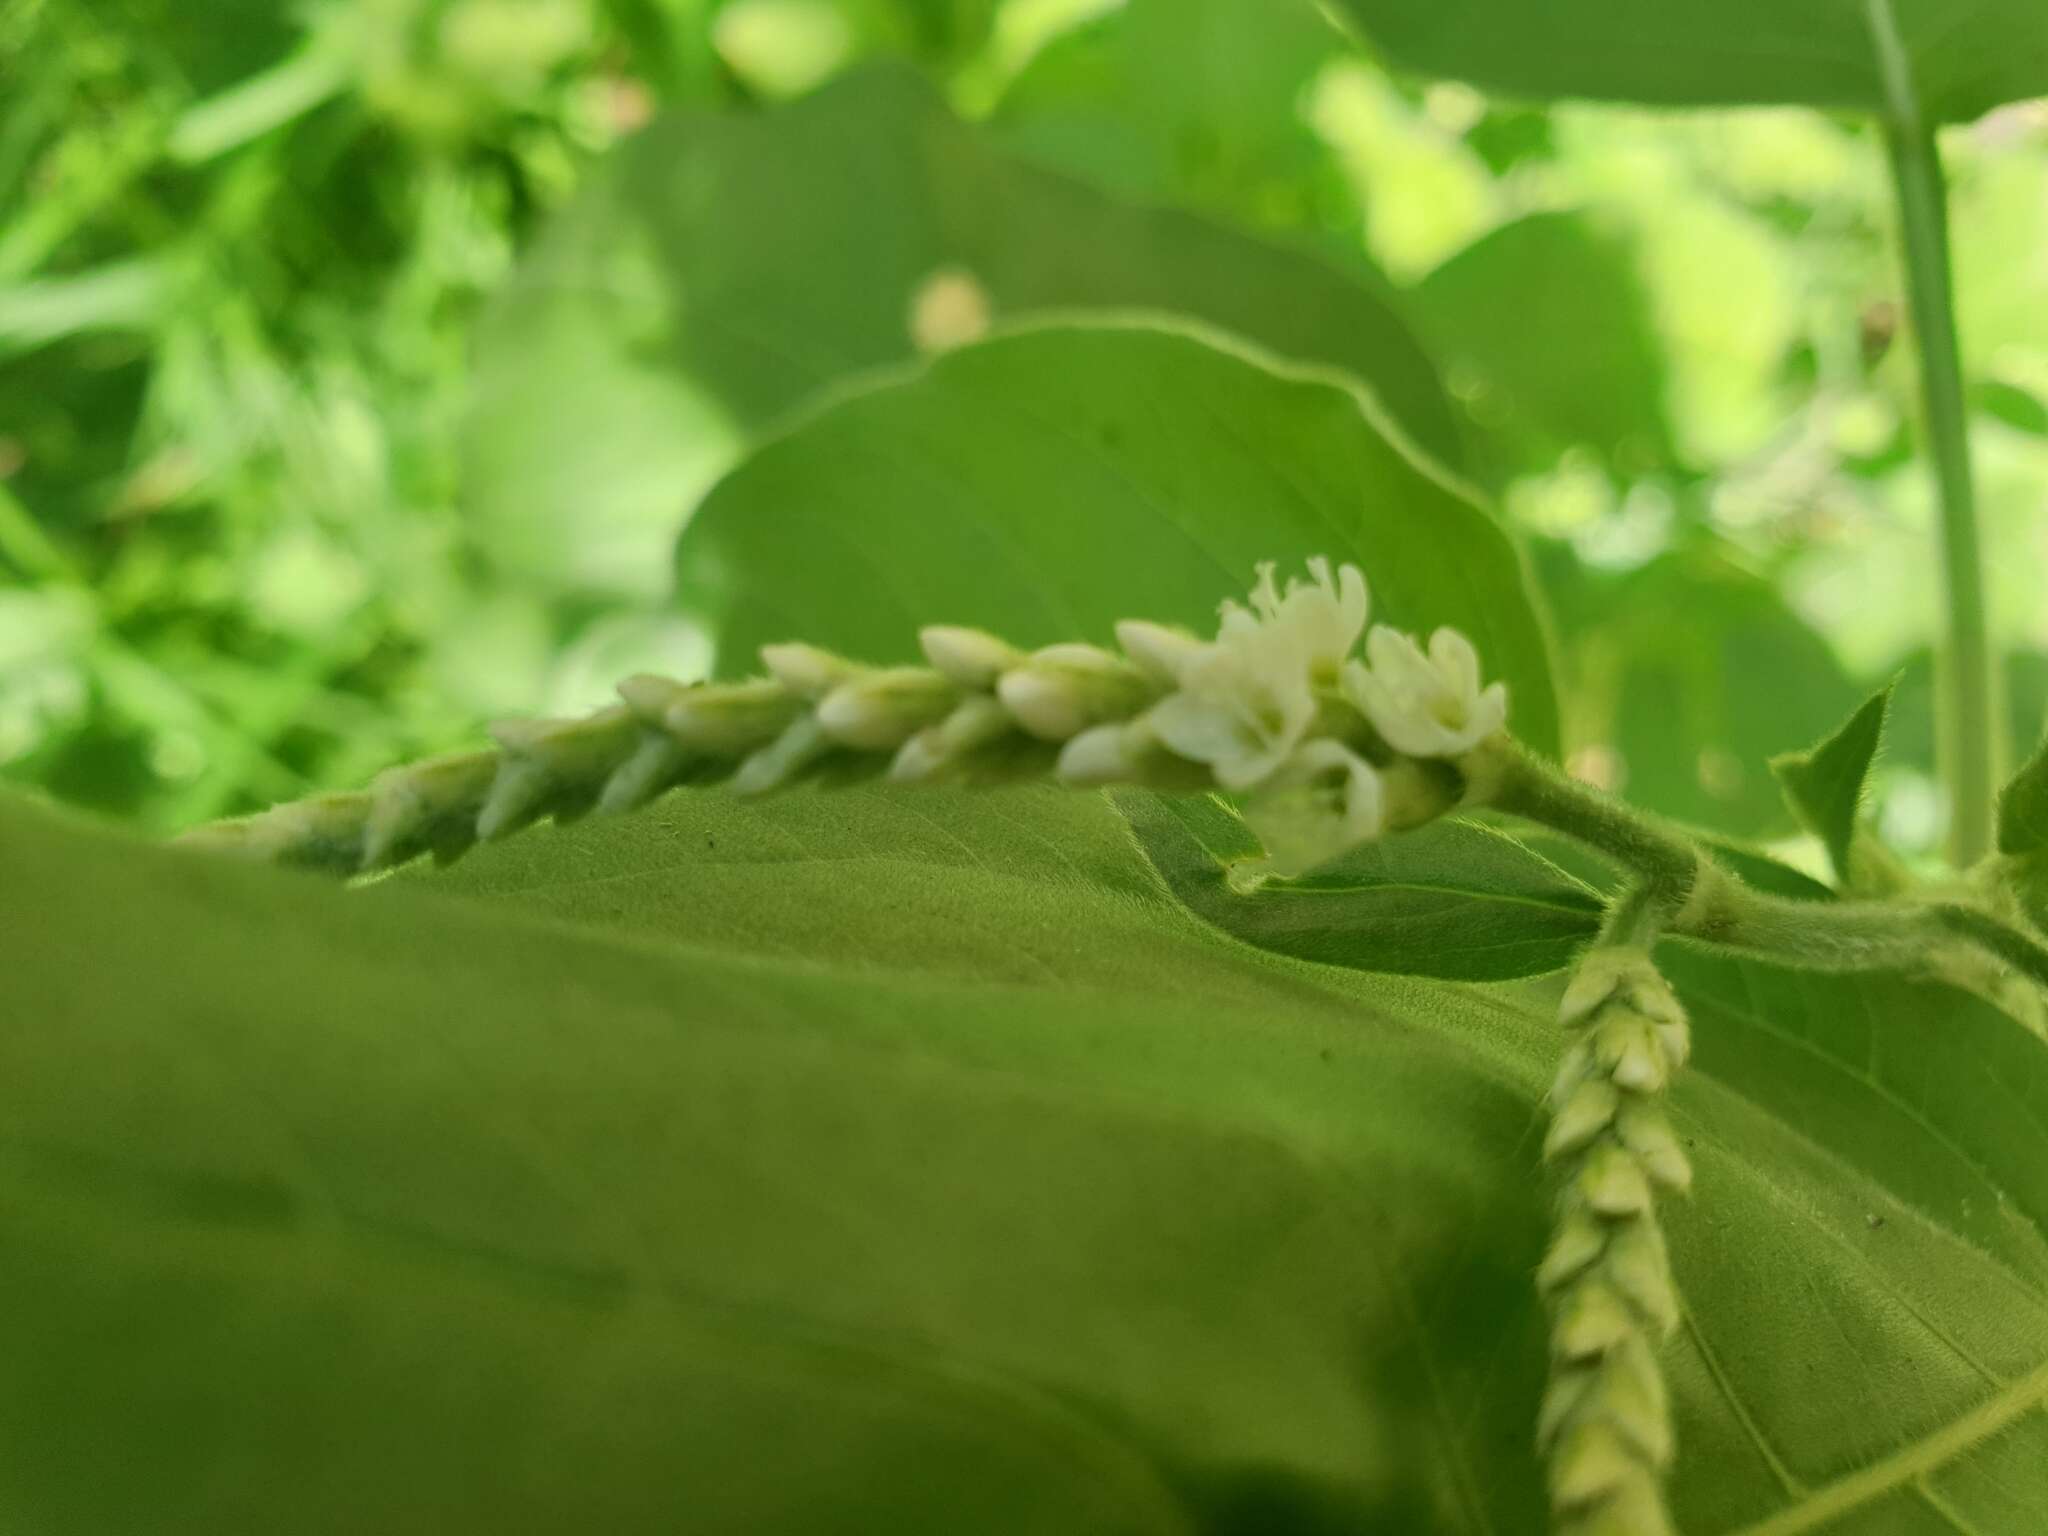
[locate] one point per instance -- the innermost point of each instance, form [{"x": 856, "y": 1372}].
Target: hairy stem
[
  {"x": 1968, "y": 730},
  {"x": 1678, "y": 886}
]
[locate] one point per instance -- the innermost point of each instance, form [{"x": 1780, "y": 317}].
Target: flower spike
[{"x": 1272, "y": 708}]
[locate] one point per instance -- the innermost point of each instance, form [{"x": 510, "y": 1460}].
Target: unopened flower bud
[
  {"x": 1638, "y": 1267},
  {"x": 1064, "y": 689},
  {"x": 1162, "y": 652},
  {"x": 882, "y": 710},
  {"x": 802, "y": 742},
  {"x": 656, "y": 764},
  {"x": 1591, "y": 1463},
  {"x": 806, "y": 670},
  {"x": 1581, "y": 1238},
  {"x": 1591, "y": 1319},
  {"x": 976, "y": 723},
  {"x": 1585, "y": 1114},
  {"x": 971, "y": 658},
  {"x": 1626, "y": 1046},
  {"x": 1611, "y": 1182},
  {"x": 1644, "y": 1129},
  {"x": 1099, "y": 756},
  {"x": 427, "y": 806}
]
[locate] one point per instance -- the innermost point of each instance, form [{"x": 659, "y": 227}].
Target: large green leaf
[
  {"x": 1691, "y": 674},
  {"x": 1045, "y": 484},
  {"x": 1964, "y": 58},
  {"x": 1188, "y": 101},
  {"x": 913, "y": 1162},
  {"x": 723, "y": 272},
  {"x": 1545, "y": 329}
]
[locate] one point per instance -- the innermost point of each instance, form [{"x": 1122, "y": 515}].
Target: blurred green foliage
[{"x": 360, "y": 360}]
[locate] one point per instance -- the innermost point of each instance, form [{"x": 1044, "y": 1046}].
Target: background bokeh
[{"x": 360, "y": 361}]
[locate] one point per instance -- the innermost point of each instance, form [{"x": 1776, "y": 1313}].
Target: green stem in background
[{"x": 1968, "y": 730}]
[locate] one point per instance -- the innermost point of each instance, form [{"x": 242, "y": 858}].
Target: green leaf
[
  {"x": 1825, "y": 784},
  {"x": 722, "y": 273},
  {"x": 913, "y": 1162},
  {"x": 1964, "y": 59},
  {"x": 1688, "y": 675},
  {"x": 1198, "y": 102},
  {"x": 1545, "y": 331},
  {"x": 2023, "y": 807},
  {"x": 1456, "y": 899},
  {"x": 1047, "y": 483}
]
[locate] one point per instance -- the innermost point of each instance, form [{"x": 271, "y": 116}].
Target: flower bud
[
  {"x": 1591, "y": 1320},
  {"x": 1644, "y": 1129},
  {"x": 1587, "y": 1113},
  {"x": 322, "y": 833},
  {"x": 882, "y": 710},
  {"x": 944, "y": 749},
  {"x": 1626, "y": 1047},
  {"x": 430, "y": 805},
  {"x": 1161, "y": 651},
  {"x": 1099, "y": 756},
  {"x": 1563, "y": 1397},
  {"x": 1591, "y": 1463},
  {"x": 1581, "y": 1238},
  {"x": 802, "y": 743},
  {"x": 1062, "y": 690},
  {"x": 1611, "y": 1182},
  {"x": 1638, "y": 1267},
  {"x": 655, "y": 765},
  {"x": 970, "y": 658},
  {"x": 806, "y": 670}
]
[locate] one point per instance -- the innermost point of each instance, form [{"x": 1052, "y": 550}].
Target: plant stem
[
  {"x": 1677, "y": 886},
  {"x": 1968, "y": 730}
]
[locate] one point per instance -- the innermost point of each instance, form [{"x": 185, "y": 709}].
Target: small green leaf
[
  {"x": 1825, "y": 784},
  {"x": 1046, "y": 483},
  {"x": 2023, "y": 807},
  {"x": 1456, "y": 899}
]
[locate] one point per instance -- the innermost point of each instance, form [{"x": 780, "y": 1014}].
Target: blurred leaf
[
  {"x": 874, "y": 1162},
  {"x": 1693, "y": 674},
  {"x": 1456, "y": 899},
  {"x": 1964, "y": 59},
  {"x": 1545, "y": 333},
  {"x": 2023, "y": 807},
  {"x": 1189, "y": 101},
  {"x": 2017, "y": 408},
  {"x": 1825, "y": 784},
  {"x": 727, "y": 272},
  {"x": 1910, "y": 735},
  {"x": 1047, "y": 483}
]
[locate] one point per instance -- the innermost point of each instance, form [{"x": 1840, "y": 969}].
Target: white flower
[
  {"x": 1245, "y": 701},
  {"x": 1323, "y": 801},
  {"x": 1325, "y": 615},
  {"x": 1425, "y": 705}
]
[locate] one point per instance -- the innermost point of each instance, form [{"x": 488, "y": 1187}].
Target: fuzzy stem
[
  {"x": 1969, "y": 733},
  {"x": 1705, "y": 902}
]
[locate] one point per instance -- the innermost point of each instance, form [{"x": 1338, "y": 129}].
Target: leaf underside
[{"x": 917, "y": 1161}]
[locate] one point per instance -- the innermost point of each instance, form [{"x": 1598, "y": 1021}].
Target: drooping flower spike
[{"x": 1325, "y": 751}]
